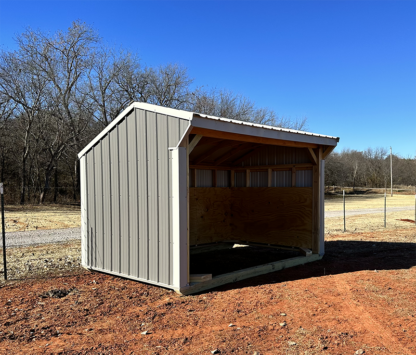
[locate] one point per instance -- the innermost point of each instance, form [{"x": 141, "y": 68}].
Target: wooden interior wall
[{"x": 274, "y": 215}]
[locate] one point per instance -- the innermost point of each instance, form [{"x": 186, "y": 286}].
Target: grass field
[
  {"x": 373, "y": 221},
  {"x": 35, "y": 217}
]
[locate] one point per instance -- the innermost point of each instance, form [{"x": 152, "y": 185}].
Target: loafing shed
[{"x": 160, "y": 184}]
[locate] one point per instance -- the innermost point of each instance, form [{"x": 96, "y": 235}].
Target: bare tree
[
  {"x": 22, "y": 84},
  {"x": 63, "y": 61}
]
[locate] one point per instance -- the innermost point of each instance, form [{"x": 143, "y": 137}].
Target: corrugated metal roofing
[
  {"x": 186, "y": 115},
  {"x": 274, "y": 128}
]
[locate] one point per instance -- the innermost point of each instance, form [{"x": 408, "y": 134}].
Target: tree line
[
  {"x": 58, "y": 91},
  {"x": 369, "y": 168}
]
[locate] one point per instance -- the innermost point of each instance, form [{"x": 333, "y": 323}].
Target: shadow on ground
[{"x": 340, "y": 257}]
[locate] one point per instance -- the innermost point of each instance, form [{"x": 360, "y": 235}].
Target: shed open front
[
  {"x": 160, "y": 185},
  {"x": 251, "y": 192}
]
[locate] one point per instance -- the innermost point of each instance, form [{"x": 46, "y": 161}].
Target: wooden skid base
[
  {"x": 247, "y": 273},
  {"x": 210, "y": 247}
]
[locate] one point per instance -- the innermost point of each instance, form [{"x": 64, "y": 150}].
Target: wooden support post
[
  {"x": 247, "y": 178},
  {"x": 312, "y": 155},
  {"x": 200, "y": 277},
  {"x": 269, "y": 177},
  {"x": 327, "y": 151},
  {"x": 193, "y": 143},
  {"x": 232, "y": 178},
  {"x": 214, "y": 178},
  {"x": 305, "y": 251},
  {"x": 293, "y": 177},
  {"x": 193, "y": 177},
  {"x": 316, "y": 201}
]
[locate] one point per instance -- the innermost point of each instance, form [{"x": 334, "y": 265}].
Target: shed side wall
[{"x": 128, "y": 211}]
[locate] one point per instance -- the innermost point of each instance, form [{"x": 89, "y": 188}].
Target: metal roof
[
  {"x": 193, "y": 117},
  {"x": 280, "y": 129}
]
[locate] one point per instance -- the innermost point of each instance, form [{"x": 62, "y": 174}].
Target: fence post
[
  {"x": 3, "y": 228},
  {"x": 385, "y": 204},
  {"x": 343, "y": 197}
]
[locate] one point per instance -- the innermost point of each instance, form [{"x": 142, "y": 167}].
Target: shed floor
[{"x": 240, "y": 257}]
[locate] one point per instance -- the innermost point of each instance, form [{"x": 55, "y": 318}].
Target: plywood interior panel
[{"x": 273, "y": 215}]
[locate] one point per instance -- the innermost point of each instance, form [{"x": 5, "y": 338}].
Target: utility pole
[
  {"x": 3, "y": 231},
  {"x": 391, "y": 172}
]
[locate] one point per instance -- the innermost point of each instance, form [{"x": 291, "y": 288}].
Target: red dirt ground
[
  {"x": 406, "y": 220},
  {"x": 362, "y": 295}
]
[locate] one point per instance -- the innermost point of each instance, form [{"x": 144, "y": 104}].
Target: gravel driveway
[{"x": 18, "y": 239}]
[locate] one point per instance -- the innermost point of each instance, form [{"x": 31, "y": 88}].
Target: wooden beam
[
  {"x": 212, "y": 151},
  {"x": 252, "y": 139},
  {"x": 264, "y": 245},
  {"x": 269, "y": 177},
  {"x": 200, "y": 277},
  {"x": 232, "y": 178},
  {"x": 193, "y": 143},
  {"x": 214, "y": 178},
  {"x": 312, "y": 156},
  {"x": 247, "y": 154},
  {"x": 231, "y": 153},
  {"x": 293, "y": 177},
  {"x": 247, "y": 178},
  {"x": 305, "y": 251},
  {"x": 306, "y": 166},
  {"x": 199, "y": 249},
  {"x": 193, "y": 177},
  {"x": 327, "y": 151},
  {"x": 247, "y": 273}
]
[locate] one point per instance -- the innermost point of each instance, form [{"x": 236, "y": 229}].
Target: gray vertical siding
[
  {"x": 124, "y": 197},
  {"x": 143, "y": 251},
  {"x": 90, "y": 208},
  {"x": 106, "y": 170},
  {"x": 133, "y": 196},
  {"x": 115, "y": 200},
  {"x": 99, "y": 243},
  {"x": 152, "y": 190},
  {"x": 128, "y": 209},
  {"x": 163, "y": 199}
]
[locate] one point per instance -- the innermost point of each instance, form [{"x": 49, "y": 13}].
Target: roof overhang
[{"x": 218, "y": 127}]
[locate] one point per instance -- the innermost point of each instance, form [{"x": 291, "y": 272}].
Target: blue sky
[{"x": 348, "y": 66}]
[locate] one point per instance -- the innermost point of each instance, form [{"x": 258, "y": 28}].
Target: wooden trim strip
[
  {"x": 259, "y": 167},
  {"x": 252, "y": 139},
  {"x": 247, "y": 273}
]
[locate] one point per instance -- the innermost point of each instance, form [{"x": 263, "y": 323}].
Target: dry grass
[
  {"x": 34, "y": 217},
  {"x": 42, "y": 261},
  {"x": 369, "y": 222},
  {"x": 335, "y": 203}
]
